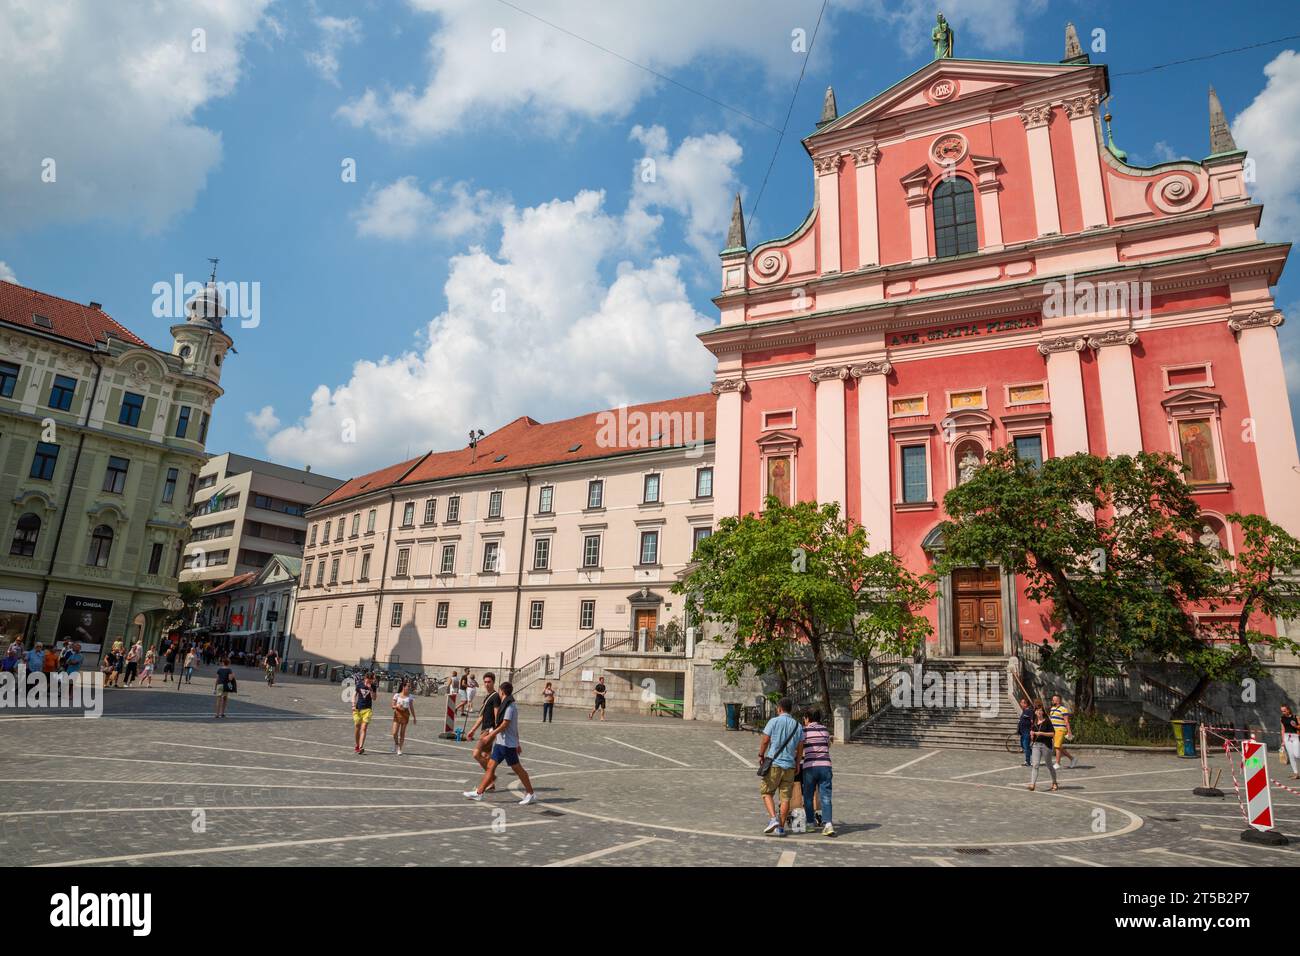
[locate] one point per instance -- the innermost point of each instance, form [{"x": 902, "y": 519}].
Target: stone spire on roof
[
  {"x": 829, "y": 111},
  {"x": 1221, "y": 140},
  {"x": 1073, "y": 50},
  {"x": 736, "y": 234}
]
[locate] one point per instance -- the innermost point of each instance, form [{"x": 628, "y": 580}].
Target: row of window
[
  {"x": 442, "y": 614},
  {"x": 46, "y": 458},
  {"x": 64, "y": 387},
  {"x": 650, "y": 494},
  {"x": 591, "y": 547},
  {"x": 27, "y": 533}
]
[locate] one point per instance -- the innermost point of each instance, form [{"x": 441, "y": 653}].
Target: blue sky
[{"x": 500, "y": 252}]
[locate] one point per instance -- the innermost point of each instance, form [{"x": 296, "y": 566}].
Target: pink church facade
[{"x": 980, "y": 268}]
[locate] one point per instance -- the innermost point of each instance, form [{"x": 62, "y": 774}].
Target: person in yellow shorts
[
  {"x": 363, "y": 703},
  {"x": 1061, "y": 715},
  {"x": 782, "y": 745}
]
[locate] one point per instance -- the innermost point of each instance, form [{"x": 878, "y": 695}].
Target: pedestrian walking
[
  {"x": 462, "y": 693},
  {"x": 600, "y": 699},
  {"x": 363, "y": 705},
  {"x": 1043, "y": 732},
  {"x": 504, "y": 738},
  {"x": 1061, "y": 715},
  {"x": 169, "y": 662},
  {"x": 1022, "y": 727},
  {"x": 132, "y": 664},
  {"x": 815, "y": 772},
  {"x": 146, "y": 675},
  {"x": 487, "y": 722},
  {"x": 191, "y": 658},
  {"x": 548, "y": 704},
  {"x": 1291, "y": 740},
  {"x": 403, "y": 714},
  {"x": 225, "y": 684},
  {"x": 776, "y": 765}
]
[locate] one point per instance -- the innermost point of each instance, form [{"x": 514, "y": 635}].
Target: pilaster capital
[
  {"x": 1061, "y": 343},
  {"x": 1036, "y": 116},
  {"x": 1112, "y": 337},
  {"x": 1257, "y": 320},
  {"x": 829, "y": 373},
  {"x": 871, "y": 367},
  {"x": 825, "y": 165},
  {"x": 1080, "y": 106},
  {"x": 865, "y": 155},
  {"x": 725, "y": 385}
]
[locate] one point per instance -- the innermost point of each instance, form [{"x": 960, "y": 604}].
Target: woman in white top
[
  {"x": 403, "y": 714},
  {"x": 472, "y": 690}
]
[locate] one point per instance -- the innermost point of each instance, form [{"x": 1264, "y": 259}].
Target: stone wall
[{"x": 633, "y": 683}]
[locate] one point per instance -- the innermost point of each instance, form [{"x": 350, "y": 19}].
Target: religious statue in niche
[
  {"x": 1210, "y": 541},
  {"x": 942, "y": 36},
  {"x": 966, "y": 467}
]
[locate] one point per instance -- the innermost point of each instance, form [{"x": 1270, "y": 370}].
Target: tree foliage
[
  {"x": 1108, "y": 545},
  {"x": 799, "y": 579}
]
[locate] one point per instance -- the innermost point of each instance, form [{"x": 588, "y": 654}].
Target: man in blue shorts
[{"x": 504, "y": 738}]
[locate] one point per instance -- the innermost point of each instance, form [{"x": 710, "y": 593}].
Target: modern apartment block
[
  {"x": 493, "y": 555},
  {"x": 246, "y": 511}
]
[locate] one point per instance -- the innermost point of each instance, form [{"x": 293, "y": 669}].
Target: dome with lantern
[{"x": 206, "y": 307}]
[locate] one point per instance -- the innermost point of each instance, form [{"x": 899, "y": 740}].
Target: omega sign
[{"x": 963, "y": 331}]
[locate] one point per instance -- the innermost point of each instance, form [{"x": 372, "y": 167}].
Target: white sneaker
[
  {"x": 399, "y": 751},
  {"x": 472, "y": 795},
  {"x": 1074, "y": 762},
  {"x": 1056, "y": 766},
  {"x": 528, "y": 798}
]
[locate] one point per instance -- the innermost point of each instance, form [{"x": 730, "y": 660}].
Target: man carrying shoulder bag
[{"x": 778, "y": 756}]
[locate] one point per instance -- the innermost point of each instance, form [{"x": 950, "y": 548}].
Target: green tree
[
  {"x": 1107, "y": 544},
  {"x": 801, "y": 577},
  {"x": 1260, "y": 580}
]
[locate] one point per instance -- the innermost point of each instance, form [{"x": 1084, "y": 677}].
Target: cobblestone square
[{"x": 158, "y": 781}]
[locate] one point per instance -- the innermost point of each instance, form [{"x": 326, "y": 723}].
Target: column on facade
[
  {"x": 1065, "y": 388},
  {"x": 874, "y": 451},
  {"x": 916, "y": 185},
  {"x": 987, "y": 185},
  {"x": 1082, "y": 111},
  {"x": 726, "y": 464},
  {"x": 865, "y": 159},
  {"x": 1119, "y": 403},
  {"x": 1043, "y": 177},
  {"x": 828, "y": 210},
  {"x": 1270, "y": 423},
  {"x": 831, "y": 456}
]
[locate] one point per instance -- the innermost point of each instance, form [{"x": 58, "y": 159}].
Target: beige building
[
  {"x": 493, "y": 555},
  {"x": 246, "y": 511},
  {"x": 101, "y": 441}
]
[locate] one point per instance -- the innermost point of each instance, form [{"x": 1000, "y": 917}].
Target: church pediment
[{"x": 946, "y": 81}]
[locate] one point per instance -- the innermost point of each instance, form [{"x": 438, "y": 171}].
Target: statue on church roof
[{"x": 942, "y": 36}]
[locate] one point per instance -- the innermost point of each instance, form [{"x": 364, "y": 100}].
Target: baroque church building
[{"x": 983, "y": 267}]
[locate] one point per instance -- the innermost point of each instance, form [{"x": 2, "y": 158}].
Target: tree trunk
[
  {"x": 1190, "y": 698},
  {"x": 822, "y": 679}
]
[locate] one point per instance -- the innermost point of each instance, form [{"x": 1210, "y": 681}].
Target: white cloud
[
  {"x": 697, "y": 181},
  {"x": 335, "y": 32},
  {"x": 402, "y": 210},
  {"x": 7, "y": 274},
  {"x": 487, "y": 59},
  {"x": 1267, "y": 128},
  {"x": 264, "y": 421},
  {"x": 109, "y": 92},
  {"x": 533, "y": 328}
]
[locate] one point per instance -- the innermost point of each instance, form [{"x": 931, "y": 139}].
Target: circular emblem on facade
[
  {"x": 943, "y": 90},
  {"x": 948, "y": 149},
  {"x": 1179, "y": 191}
]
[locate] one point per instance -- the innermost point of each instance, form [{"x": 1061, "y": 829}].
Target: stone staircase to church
[{"x": 949, "y": 725}]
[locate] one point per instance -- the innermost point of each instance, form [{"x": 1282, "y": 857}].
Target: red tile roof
[
  {"x": 382, "y": 478},
  {"x": 239, "y": 580},
  {"x": 68, "y": 319},
  {"x": 527, "y": 443}
]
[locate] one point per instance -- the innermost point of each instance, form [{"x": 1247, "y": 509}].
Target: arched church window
[{"x": 954, "y": 219}]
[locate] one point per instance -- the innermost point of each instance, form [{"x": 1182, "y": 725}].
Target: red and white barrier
[
  {"x": 449, "y": 728},
  {"x": 1259, "y": 800}
]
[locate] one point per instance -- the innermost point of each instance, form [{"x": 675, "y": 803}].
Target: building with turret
[{"x": 101, "y": 441}]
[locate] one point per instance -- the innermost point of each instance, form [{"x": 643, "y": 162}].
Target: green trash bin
[
  {"x": 733, "y": 716},
  {"x": 1185, "y": 737}
]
